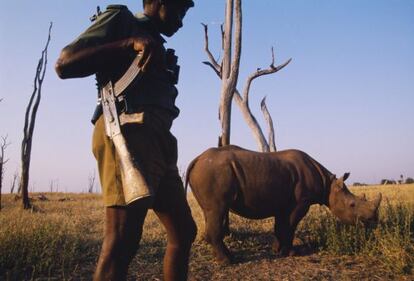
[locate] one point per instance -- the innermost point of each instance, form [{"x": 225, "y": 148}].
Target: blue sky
[{"x": 346, "y": 98}]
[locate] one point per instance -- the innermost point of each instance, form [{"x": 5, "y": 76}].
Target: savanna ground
[{"x": 61, "y": 241}]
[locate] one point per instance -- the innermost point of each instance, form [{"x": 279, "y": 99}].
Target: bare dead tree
[
  {"x": 14, "y": 181},
  {"x": 242, "y": 100},
  {"x": 19, "y": 188},
  {"x": 54, "y": 185},
  {"x": 29, "y": 123},
  {"x": 51, "y": 186},
  {"x": 57, "y": 185},
  {"x": 3, "y": 145},
  {"x": 91, "y": 181}
]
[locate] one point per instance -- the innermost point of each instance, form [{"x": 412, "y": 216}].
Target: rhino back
[
  {"x": 278, "y": 181},
  {"x": 257, "y": 184},
  {"x": 313, "y": 179},
  {"x": 211, "y": 178}
]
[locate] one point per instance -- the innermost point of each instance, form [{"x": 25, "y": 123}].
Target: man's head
[{"x": 167, "y": 14}]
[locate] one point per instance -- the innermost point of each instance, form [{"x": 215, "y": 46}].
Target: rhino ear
[
  {"x": 337, "y": 183},
  {"x": 346, "y": 175}
]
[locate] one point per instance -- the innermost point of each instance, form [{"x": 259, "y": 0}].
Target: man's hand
[{"x": 151, "y": 52}]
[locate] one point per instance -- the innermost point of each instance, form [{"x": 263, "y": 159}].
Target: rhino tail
[{"x": 187, "y": 174}]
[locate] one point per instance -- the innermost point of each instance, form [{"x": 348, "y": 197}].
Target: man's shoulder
[
  {"x": 112, "y": 24},
  {"x": 112, "y": 13},
  {"x": 124, "y": 16},
  {"x": 120, "y": 10},
  {"x": 116, "y": 7},
  {"x": 113, "y": 19}
]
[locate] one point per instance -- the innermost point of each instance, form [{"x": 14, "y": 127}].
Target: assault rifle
[{"x": 134, "y": 185}]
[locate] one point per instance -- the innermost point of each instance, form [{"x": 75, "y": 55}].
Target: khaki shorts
[{"x": 154, "y": 148}]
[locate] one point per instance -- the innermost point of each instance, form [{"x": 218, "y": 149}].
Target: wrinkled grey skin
[{"x": 258, "y": 185}]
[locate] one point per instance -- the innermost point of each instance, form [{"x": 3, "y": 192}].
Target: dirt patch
[{"x": 264, "y": 265}]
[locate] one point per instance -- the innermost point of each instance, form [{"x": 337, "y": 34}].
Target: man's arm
[{"x": 87, "y": 61}]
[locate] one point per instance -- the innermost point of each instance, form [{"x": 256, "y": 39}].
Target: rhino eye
[{"x": 352, "y": 204}]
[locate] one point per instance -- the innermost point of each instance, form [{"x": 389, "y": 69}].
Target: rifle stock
[{"x": 134, "y": 185}]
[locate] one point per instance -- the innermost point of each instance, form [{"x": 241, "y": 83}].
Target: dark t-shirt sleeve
[{"x": 104, "y": 30}]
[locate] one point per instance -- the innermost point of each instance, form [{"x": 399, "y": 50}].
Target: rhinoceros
[{"x": 258, "y": 185}]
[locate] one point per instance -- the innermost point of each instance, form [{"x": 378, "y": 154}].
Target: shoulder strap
[{"x": 128, "y": 77}]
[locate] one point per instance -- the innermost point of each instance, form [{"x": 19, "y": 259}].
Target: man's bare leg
[
  {"x": 123, "y": 231},
  {"x": 181, "y": 232}
]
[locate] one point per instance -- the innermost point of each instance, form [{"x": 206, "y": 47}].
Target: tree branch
[
  {"x": 222, "y": 36},
  {"x": 261, "y": 72},
  {"x": 227, "y": 42},
  {"x": 235, "y": 64},
  {"x": 251, "y": 122},
  {"x": 269, "y": 122},
  {"x": 213, "y": 61},
  {"x": 217, "y": 71}
]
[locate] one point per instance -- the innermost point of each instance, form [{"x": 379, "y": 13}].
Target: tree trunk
[
  {"x": 29, "y": 124},
  {"x": 230, "y": 66}
]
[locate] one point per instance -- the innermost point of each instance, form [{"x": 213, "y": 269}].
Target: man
[{"x": 107, "y": 49}]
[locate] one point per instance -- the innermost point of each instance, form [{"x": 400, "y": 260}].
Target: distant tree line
[{"x": 407, "y": 180}]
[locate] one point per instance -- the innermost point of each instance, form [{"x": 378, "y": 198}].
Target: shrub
[
  {"x": 359, "y": 184},
  {"x": 386, "y": 181},
  {"x": 409, "y": 180}
]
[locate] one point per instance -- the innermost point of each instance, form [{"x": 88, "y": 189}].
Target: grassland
[{"x": 61, "y": 241}]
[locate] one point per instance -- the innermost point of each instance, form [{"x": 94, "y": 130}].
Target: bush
[
  {"x": 386, "y": 181},
  {"x": 409, "y": 180}
]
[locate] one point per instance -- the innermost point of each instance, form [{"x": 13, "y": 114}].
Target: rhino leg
[
  {"x": 226, "y": 224},
  {"x": 285, "y": 227},
  {"x": 214, "y": 234},
  {"x": 283, "y": 236}
]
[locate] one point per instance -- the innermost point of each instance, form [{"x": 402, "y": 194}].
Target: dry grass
[
  {"x": 392, "y": 193},
  {"x": 61, "y": 241}
]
